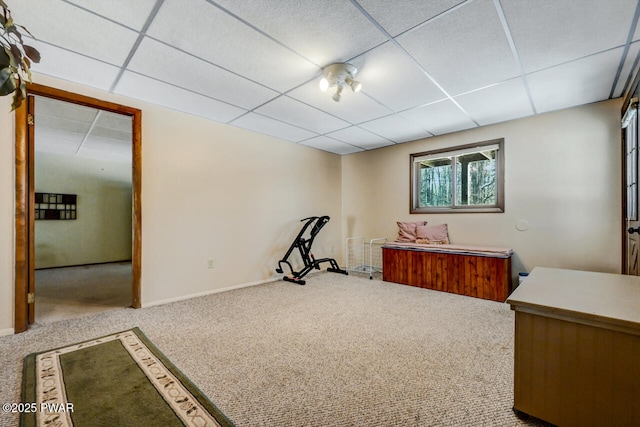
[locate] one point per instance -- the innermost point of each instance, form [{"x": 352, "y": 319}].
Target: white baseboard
[
  {"x": 212, "y": 291},
  {"x": 8, "y": 331}
]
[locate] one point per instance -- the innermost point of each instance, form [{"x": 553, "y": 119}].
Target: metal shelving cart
[{"x": 365, "y": 257}]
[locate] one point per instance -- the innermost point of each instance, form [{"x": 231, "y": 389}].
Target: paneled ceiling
[
  {"x": 427, "y": 67},
  {"x": 75, "y": 130}
]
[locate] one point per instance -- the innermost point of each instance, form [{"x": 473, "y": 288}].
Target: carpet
[{"x": 120, "y": 379}]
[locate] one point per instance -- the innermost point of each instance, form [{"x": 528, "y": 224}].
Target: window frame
[{"x": 414, "y": 176}]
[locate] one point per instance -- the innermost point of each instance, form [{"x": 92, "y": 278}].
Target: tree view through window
[{"x": 467, "y": 178}]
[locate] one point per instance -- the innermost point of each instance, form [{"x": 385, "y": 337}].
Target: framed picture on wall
[{"x": 55, "y": 206}]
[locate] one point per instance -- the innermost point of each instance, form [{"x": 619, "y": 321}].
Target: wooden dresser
[{"x": 577, "y": 348}]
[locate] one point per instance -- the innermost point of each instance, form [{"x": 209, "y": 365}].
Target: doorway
[
  {"x": 83, "y": 248},
  {"x": 25, "y": 257}
]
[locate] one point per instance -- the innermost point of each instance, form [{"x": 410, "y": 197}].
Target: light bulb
[
  {"x": 324, "y": 84},
  {"x": 354, "y": 84},
  {"x": 338, "y": 95}
]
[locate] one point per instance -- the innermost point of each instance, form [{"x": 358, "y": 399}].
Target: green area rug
[{"x": 117, "y": 380}]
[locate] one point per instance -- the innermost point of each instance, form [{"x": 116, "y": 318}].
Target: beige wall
[
  {"x": 212, "y": 191},
  {"x": 6, "y": 216},
  {"x": 102, "y": 230},
  {"x": 209, "y": 191},
  {"x": 562, "y": 177}
]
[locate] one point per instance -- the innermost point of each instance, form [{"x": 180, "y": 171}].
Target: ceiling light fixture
[{"x": 339, "y": 75}]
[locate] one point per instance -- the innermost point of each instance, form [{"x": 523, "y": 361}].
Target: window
[{"x": 467, "y": 178}]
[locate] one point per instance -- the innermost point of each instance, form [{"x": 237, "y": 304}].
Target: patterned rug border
[{"x": 29, "y": 392}]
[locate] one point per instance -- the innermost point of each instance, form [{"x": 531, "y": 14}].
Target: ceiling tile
[
  {"x": 72, "y": 67},
  {"x": 439, "y": 118},
  {"x": 146, "y": 89},
  {"x": 75, "y": 29},
  {"x": 626, "y": 75},
  {"x": 107, "y": 149},
  {"x": 574, "y": 83},
  {"x": 59, "y": 141},
  {"x": 396, "y": 128},
  {"x": 130, "y": 13},
  {"x": 229, "y": 43},
  {"x": 73, "y": 129},
  {"x": 60, "y": 124},
  {"x": 550, "y": 32},
  {"x": 269, "y": 126},
  {"x": 323, "y": 31},
  {"x": 394, "y": 80},
  {"x": 360, "y": 138},
  {"x": 353, "y": 107},
  {"x": 298, "y": 114},
  {"x": 255, "y": 63},
  {"x": 110, "y": 133},
  {"x": 499, "y": 103},
  {"x": 115, "y": 121},
  {"x": 167, "y": 64},
  {"x": 465, "y": 49},
  {"x": 49, "y": 107},
  {"x": 328, "y": 144},
  {"x": 399, "y": 15}
]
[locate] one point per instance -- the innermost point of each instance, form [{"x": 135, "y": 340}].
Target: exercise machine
[{"x": 303, "y": 243}]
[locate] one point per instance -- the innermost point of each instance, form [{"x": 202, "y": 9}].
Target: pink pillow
[
  {"x": 407, "y": 230},
  {"x": 433, "y": 234}
]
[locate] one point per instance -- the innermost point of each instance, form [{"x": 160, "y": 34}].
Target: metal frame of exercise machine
[{"x": 303, "y": 244}]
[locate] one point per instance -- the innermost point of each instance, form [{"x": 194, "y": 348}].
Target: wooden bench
[{"x": 464, "y": 270}]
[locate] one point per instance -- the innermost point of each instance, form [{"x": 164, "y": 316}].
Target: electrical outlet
[
  {"x": 210, "y": 264},
  {"x": 332, "y": 249}
]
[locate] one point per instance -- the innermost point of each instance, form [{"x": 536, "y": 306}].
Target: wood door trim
[
  {"x": 25, "y": 193},
  {"x": 623, "y": 211},
  {"x": 21, "y": 223},
  {"x": 31, "y": 255}
]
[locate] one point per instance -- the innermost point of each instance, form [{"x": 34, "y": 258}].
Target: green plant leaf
[
  {"x": 15, "y": 58},
  {"x": 7, "y": 82},
  {"x": 17, "y": 34},
  {"x": 26, "y": 70},
  {"x": 12, "y": 59},
  {"x": 19, "y": 95},
  {"x": 16, "y": 52},
  {"x": 5, "y": 61}
]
